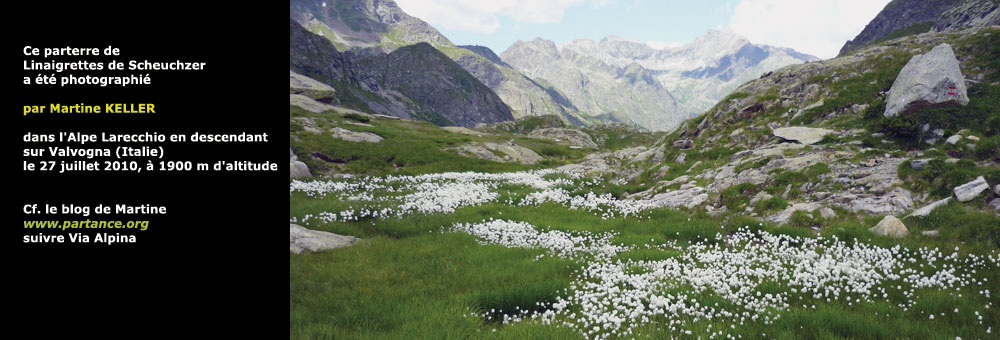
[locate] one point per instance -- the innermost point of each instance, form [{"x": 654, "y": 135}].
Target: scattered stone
[
  {"x": 301, "y": 239},
  {"x": 760, "y": 196},
  {"x": 918, "y": 164},
  {"x": 784, "y": 216},
  {"x": 679, "y": 180},
  {"x": 972, "y": 138},
  {"x": 926, "y": 210},
  {"x": 930, "y": 78},
  {"x": 801, "y": 134},
  {"x": 352, "y": 136},
  {"x": 462, "y": 130},
  {"x": 296, "y": 168},
  {"x": 953, "y": 139},
  {"x": 996, "y": 189},
  {"x": 935, "y": 135},
  {"x": 654, "y": 154},
  {"x": 930, "y": 233},
  {"x": 683, "y": 143},
  {"x": 827, "y": 213},
  {"x": 995, "y": 203},
  {"x": 951, "y": 160},
  {"x": 504, "y": 153},
  {"x": 689, "y": 197},
  {"x": 572, "y": 137},
  {"x": 966, "y": 192},
  {"x": 662, "y": 172},
  {"x": 680, "y": 158},
  {"x": 695, "y": 165},
  {"x": 890, "y": 226}
]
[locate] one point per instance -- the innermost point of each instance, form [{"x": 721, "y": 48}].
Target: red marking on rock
[{"x": 951, "y": 93}]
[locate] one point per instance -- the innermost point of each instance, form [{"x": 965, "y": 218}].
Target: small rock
[
  {"x": 953, "y": 139},
  {"x": 827, "y": 213},
  {"x": 972, "y": 138},
  {"x": 918, "y": 164},
  {"x": 301, "y": 239},
  {"x": 926, "y": 210},
  {"x": 683, "y": 143},
  {"x": 995, "y": 203},
  {"x": 695, "y": 165},
  {"x": 951, "y": 160},
  {"x": 801, "y": 134},
  {"x": 996, "y": 190},
  {"x": 680, "y": 158},
  {"x": 966, "y": 192},
  {"x": 890, "y": 226},
  {"x": 351, "y": 136},
  {"x": 661, "y": 172},
  {"x": 930, "y": 233}
]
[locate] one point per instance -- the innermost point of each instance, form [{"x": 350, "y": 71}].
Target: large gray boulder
[
  {"x": 968, "y": 191},
  {"x": 890, "y": 226},
  {"x": 927, "y": 79},
  {"x": 301, "y": 239},
  {"x": 802, "y": 134},
  {"x": 296, "y": 169}
]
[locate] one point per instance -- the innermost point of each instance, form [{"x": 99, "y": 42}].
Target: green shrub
[
  {"x": 737, "y": 195},
  {"x": 773, "y": 204},
  {"x": 988, "y": 148},
  {"x": 356, "y": 117}
]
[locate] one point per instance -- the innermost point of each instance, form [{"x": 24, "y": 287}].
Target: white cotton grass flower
[{"x": 611, "y": 297}]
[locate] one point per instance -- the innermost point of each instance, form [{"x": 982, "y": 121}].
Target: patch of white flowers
[
  {"x": 565, "y": 244},
  {"x": 611, "y": 298},
  {"x": 397, "y": 196}
]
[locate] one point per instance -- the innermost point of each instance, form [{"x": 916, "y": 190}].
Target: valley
[{"x": 856, "y": 197}]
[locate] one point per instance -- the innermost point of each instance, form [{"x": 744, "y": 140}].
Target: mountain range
[
  {"x": 614, "y": 80},
  {"x": 900, "y": 18}
]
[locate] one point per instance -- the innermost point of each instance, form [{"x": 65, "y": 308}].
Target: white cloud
[
  {"x": 484, "y": 16},
  {"x": 817, "y": 27}
]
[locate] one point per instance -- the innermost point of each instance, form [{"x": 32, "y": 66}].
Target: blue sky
[{"x": 818, "y": 27}]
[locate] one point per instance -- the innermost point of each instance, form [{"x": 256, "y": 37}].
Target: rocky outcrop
[
  {"x": 968, "y": 191},
  {"x": 687, "y": 196},
  {"x": 439, "y": 91},
  {"x": 352, "y": 136},
  {"x": 363, "y": 23},
  {"x": 928, "y": 79},
  {"x": 801, "y": 134},
  {"x": 890, "y": 226},
  {"x": 308, "y": 87},
  {"x": 899, "y": 16},
  {"x": 301, "y": 239},
  {"x": 572, "y": 137},
  {"x": 784, "y": 216},
  {"x": 370, "y": 27},
  {"x": 969, "y": 13},
  {"x": 503, "y": 153}
]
